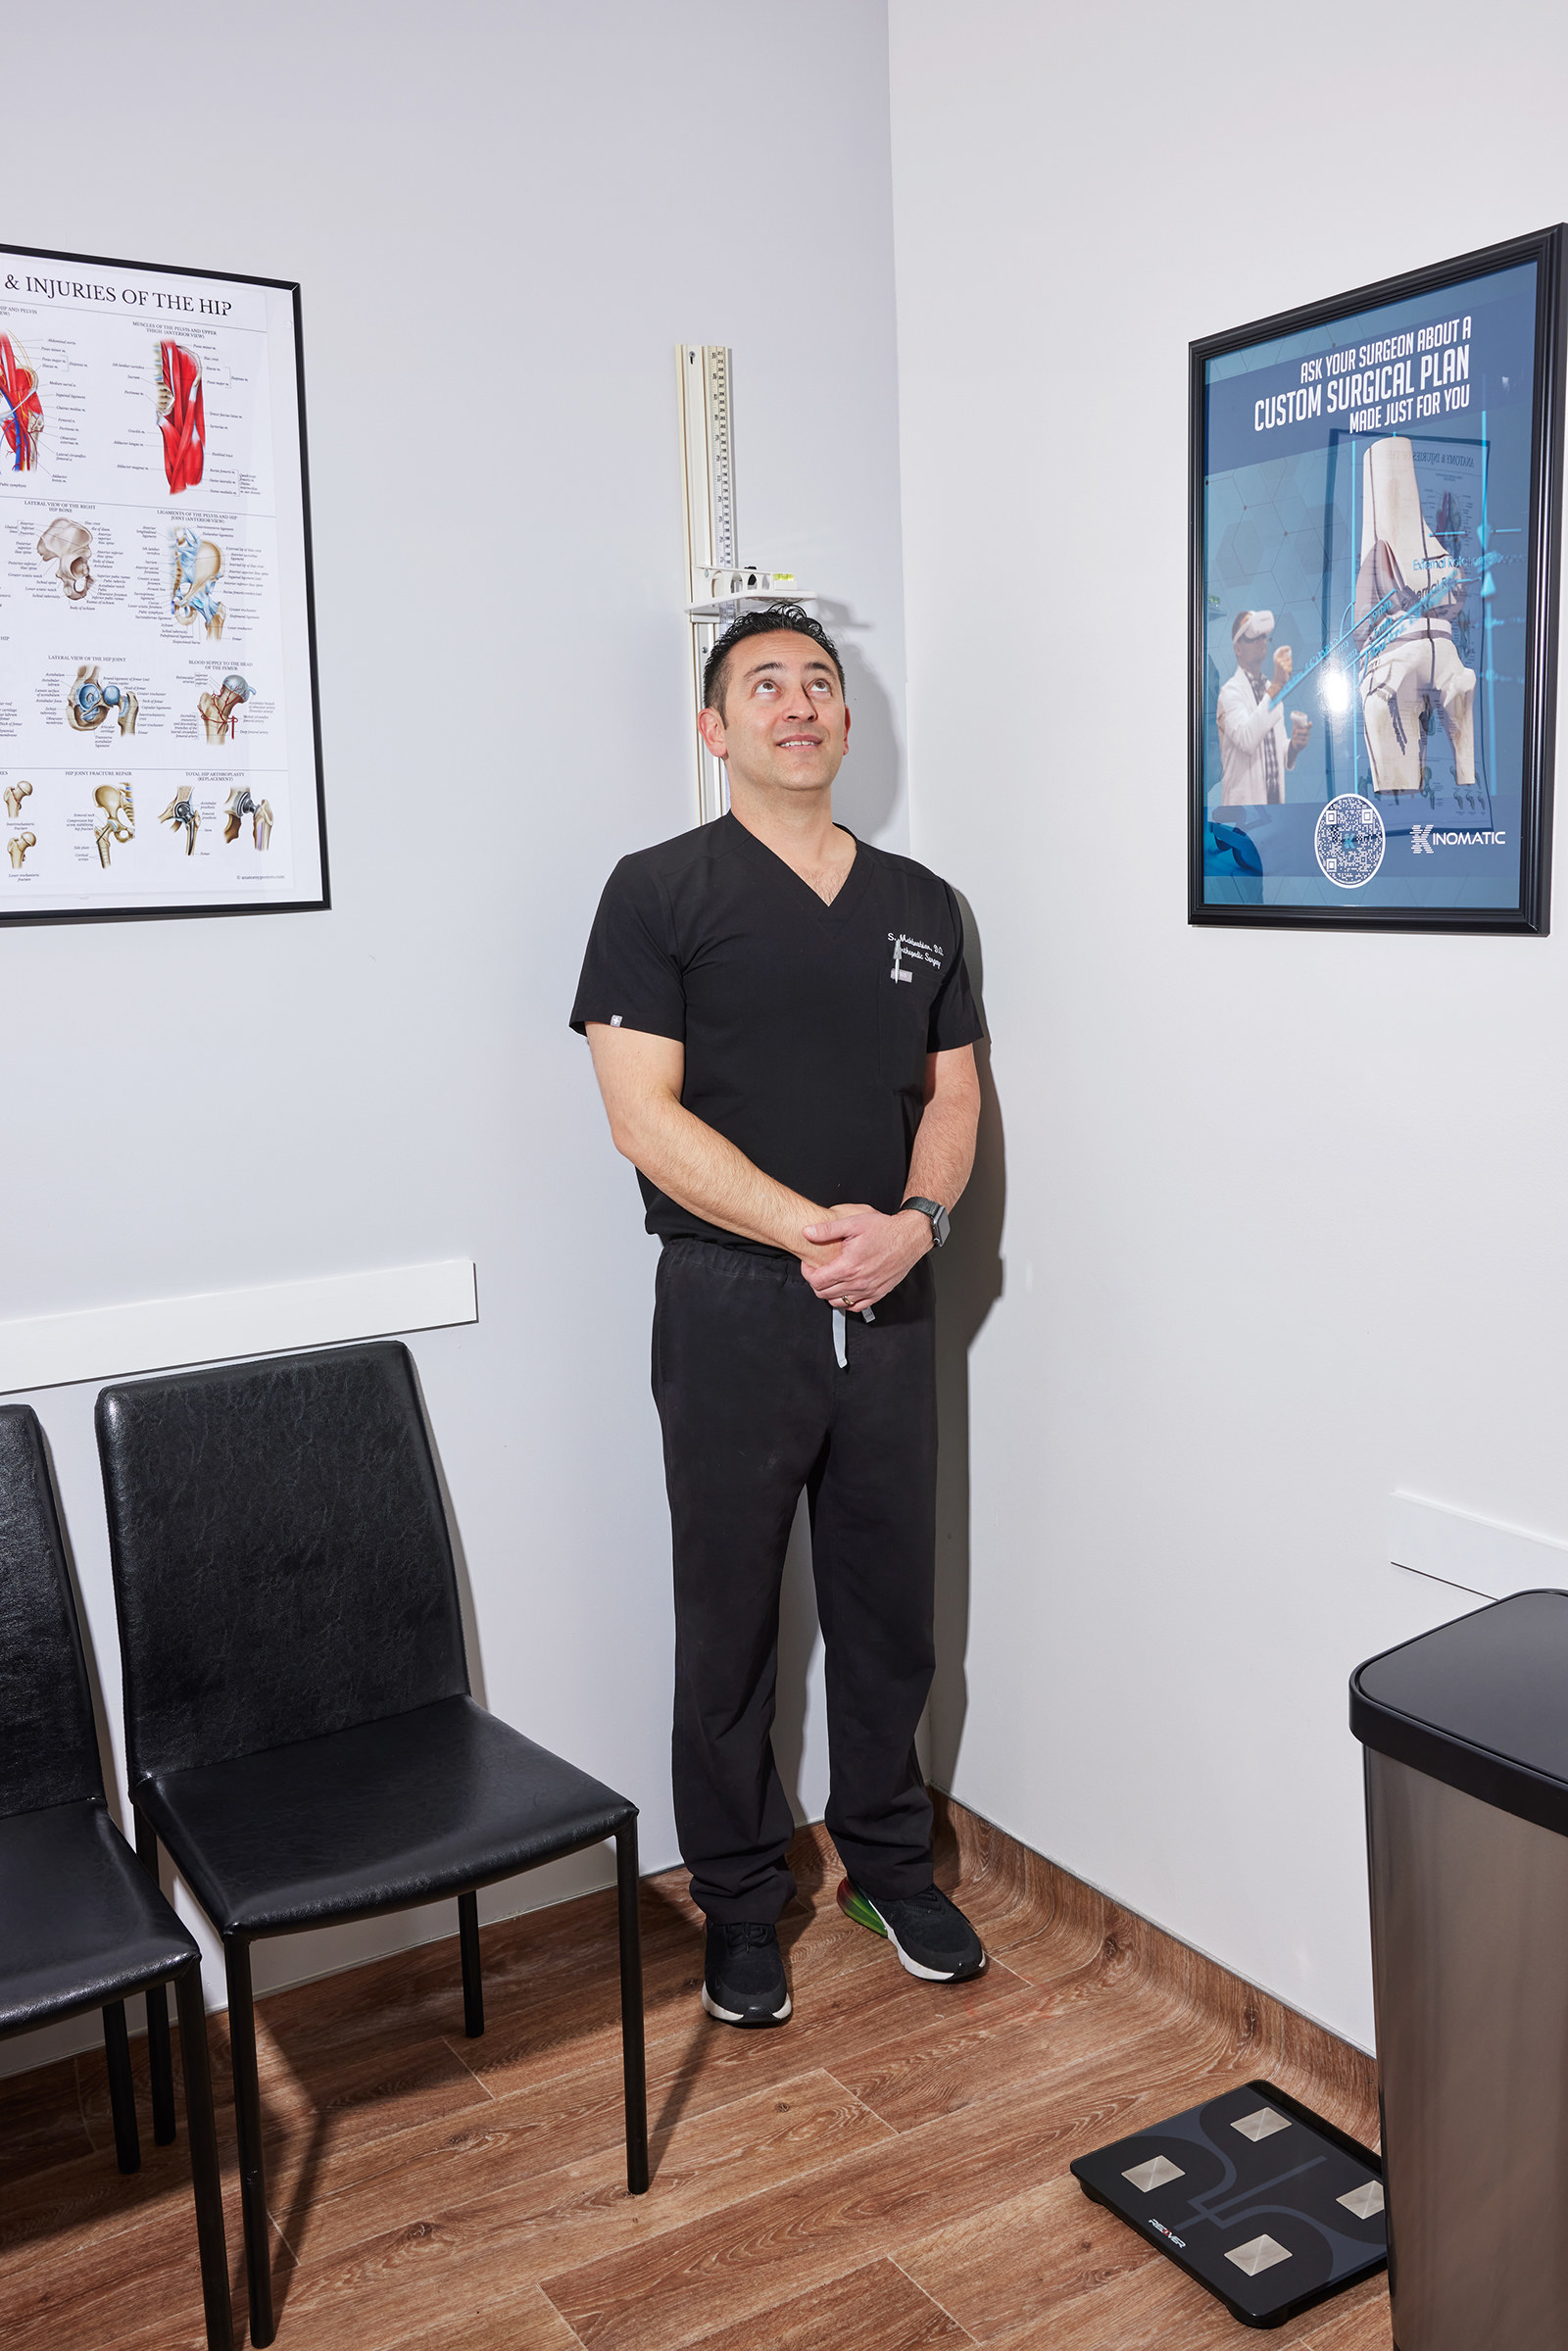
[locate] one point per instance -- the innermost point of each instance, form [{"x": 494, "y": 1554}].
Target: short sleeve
[
  {"x": 954, "y": 1018},
  {"x": 631, "y": 976}
]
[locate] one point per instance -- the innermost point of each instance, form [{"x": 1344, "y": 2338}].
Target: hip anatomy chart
[{"x": 156, "y": 632}]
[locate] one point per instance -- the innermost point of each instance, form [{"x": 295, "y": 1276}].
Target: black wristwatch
[{"x": 940, "y": 1227}]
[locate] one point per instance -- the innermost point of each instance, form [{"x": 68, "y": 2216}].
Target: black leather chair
[
  {"x": 81, "y": 1925},
  {"x": 297, "y": 1721}
]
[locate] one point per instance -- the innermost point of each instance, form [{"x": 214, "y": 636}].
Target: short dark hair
[{"x": 761, "y": 625}]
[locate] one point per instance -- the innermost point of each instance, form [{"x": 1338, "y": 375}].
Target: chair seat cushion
[
  {"x": 81, "y": 1922},
  {"x": 374, "y": 1818}
]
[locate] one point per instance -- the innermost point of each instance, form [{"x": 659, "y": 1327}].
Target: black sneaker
[
  {"x": 743, "y": 1982},
  {"x": 930, "y": 1935}
]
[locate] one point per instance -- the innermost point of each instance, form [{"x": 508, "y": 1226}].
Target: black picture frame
[
  {"x": 319, "y": 901},
  {"x": 1343, "y": 543}
]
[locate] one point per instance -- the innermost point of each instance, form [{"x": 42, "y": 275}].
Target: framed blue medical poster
[
  {"x": 160, "y": 751},
  {"x": 1375, "y": 513}
]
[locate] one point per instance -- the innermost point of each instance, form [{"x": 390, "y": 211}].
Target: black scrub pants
[{"x": 754, "y": 1407}]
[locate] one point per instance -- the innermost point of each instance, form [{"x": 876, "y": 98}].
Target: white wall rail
[
  {"x": 1478, "y": 1554},
  {"x": 111, "y": 1342}
]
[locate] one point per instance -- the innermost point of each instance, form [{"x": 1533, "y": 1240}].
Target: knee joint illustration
[{"x": 1411, "y": 593}]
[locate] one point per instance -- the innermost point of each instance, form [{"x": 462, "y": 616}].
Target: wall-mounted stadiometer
[{"x": 719, "y": 586}]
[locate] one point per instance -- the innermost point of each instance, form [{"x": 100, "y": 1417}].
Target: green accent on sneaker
[{"x": 855, "y": 1906}]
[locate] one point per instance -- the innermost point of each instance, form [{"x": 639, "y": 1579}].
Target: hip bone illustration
[
  {"x": 91, "y": 700},
  {"x": 117, "y": 820},
  {"x": 184, "y": 815},
  {"x": 197, "y": 565},
  {"x": 67, "y": 545},
  {"x": 260, "y": 812},
  {"x": 217, "y": 710}
]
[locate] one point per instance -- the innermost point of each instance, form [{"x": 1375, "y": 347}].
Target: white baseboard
[{"x": 112, "y": 1343}]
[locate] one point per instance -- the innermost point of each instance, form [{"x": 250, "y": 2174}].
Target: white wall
[
  {"x": 1167, "y": 1448},
  {"x": 1199, "y": 1382},
  {"x": 504, "y": 217}
]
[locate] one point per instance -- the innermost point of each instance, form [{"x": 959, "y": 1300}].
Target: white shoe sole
[
  {"x": 930, "y": 1975},
  {"x": 734, "y": 2016},
  {"x": 927, "y": 1975}
]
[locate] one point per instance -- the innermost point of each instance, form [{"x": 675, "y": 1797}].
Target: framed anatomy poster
[
  {"x": 1376, "y": 488},
  {"x": 159, "y": 745}
]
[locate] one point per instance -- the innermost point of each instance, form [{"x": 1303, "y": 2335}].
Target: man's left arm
[{"x": 878, "y": 1250}]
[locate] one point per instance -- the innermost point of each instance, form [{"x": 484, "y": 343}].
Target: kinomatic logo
[{"x": 1426, "y": 841}]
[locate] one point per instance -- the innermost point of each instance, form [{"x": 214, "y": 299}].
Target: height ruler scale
[{"x": 719, "y": 588}]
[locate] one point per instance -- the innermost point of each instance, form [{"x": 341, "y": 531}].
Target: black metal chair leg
[
  {"x": 122, "y": 2096},
  {"x": 631, "y": 2011},
  {"x": 205, "y": 2180},
  {"x": 160, "y": 2063},
  {"x": 248, "y": 2120},
  {"x": 472, "y": 1978}
]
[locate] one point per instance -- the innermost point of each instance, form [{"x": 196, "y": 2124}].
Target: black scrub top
[{"x": 806, "y": 1027}]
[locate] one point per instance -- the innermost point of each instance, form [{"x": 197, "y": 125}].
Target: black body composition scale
[{"x": 1255, "y": 2197}]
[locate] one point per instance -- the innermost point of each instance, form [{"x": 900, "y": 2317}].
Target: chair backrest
[
  {"x": 48, "y": 1742},
  {"x": 280, "y": 1556}
]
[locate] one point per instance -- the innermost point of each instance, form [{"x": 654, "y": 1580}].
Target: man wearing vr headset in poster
[{"x": 1255, "y": 751}]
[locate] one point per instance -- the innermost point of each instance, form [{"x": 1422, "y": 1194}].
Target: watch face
[{"x": 940, "y": 1227}]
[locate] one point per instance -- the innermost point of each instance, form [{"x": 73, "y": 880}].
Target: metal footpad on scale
[{"x": 1257, "y": 2199}]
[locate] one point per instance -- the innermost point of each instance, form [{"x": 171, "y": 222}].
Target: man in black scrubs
[{"x": 783, "y": 1033}]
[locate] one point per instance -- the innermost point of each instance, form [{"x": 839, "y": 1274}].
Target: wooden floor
[{"x": 888, "y": 2170}]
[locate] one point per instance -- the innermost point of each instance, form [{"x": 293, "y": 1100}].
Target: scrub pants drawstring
[{"x": 841, "y": 1350}]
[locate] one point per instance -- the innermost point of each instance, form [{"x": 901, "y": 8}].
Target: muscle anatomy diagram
[
  {"x": 183, "y": 417},
  {"x": 240, "y": 803},
  {"x": 18, "y": 846},
  {"x": 185, "y": 815},
  {"x": 91, "y": 700},
  {"x": 16, "y": 794},
  {"x": 21, "y": 409},
  {"x": 219, "y": 710},
  {"x": 68, "y": 545},
  {"x": 197, "y": 565},
  {"x": 115, "y": 820}
]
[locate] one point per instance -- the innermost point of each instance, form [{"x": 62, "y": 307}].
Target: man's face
[
  {"x": 1251, "y": 652},
  {"x": 785, "y": 723}
]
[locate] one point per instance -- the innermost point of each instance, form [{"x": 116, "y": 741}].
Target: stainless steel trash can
[{"x": 1465, "y": 1733}]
